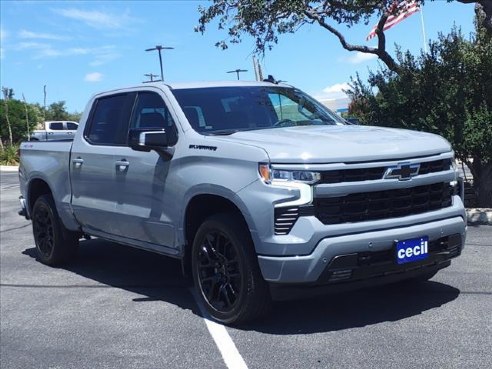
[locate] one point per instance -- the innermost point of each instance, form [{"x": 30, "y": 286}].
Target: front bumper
[{"x": 354, "y": 257}]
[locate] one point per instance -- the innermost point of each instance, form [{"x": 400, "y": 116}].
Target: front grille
[
  {"x": 434, "y": 166},
  {"x": 285, "y": 219},
  {"x": 352, "y": 175},
  {"x": 371, "y": 174},
  {"x": 359, "y": 207}
]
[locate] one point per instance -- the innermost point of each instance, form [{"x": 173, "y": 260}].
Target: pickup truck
[
  {"x": 55, "y": 130},
  {"x": 261, "y": 191}
]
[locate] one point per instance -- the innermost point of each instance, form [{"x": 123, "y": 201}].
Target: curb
[
  {"x": 475, "y": 216},
  {"x": 9, "y": 168}
]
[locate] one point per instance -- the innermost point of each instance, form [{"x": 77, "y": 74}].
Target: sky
[{"x": 79, "y": 48}]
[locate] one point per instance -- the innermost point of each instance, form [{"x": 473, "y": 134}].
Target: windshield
[{"x": 226, "y": 110}]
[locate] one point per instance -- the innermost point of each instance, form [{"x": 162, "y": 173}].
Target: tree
[
  {"x": 447, "y": 91},
  {"x": 17, "y": 111},
  {"x": 58, "y": 111},
  {"x": 8, "y": 93},
  {"x": 265, "y": 20}
]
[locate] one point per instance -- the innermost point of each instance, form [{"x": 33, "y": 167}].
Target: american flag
[{"x": 404, "y": 9}]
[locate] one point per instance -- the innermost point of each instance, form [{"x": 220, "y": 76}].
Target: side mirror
[{"x": 146, "y": 139}]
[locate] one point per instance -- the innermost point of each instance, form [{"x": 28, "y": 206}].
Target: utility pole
[
  {"x": 151, "y": 76},
  {"x": 27, "y": 117},
  {"x": 44, "y": 109},
  {"x": 237, "y": 71},
  {"x": 159, "y": 48}
]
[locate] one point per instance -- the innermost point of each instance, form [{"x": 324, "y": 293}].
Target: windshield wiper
[{"x": 223, "y": 132}]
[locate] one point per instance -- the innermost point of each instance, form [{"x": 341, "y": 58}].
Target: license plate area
[{"x": 411, "y": 250}]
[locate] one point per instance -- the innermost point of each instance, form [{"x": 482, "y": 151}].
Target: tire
[
  {"x": 226, "y": 274},
  {"x": 55, "y": 245}
]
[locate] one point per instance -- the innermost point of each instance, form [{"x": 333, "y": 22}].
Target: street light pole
[
  {"x": 151, "y": 76},
  {"x": 159, "y": 48},
  {"x": 237, "y": 71}
]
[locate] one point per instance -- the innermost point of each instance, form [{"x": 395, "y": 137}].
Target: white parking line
[{"x": 226, "y": 346}]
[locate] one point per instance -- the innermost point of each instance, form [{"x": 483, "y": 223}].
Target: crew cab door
[
  {"x": 93, "y": 167},
  {"x": 146, "y": 198}
]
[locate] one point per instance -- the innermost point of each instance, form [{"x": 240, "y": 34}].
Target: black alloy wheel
[
  {"x": 219, "y": 272},
  {"x": 43, "y": 230},
  {"x": 226, "y": 274},
  {"x": 55, "y": 245}
]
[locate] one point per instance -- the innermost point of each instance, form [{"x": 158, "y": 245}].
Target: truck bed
[{"x": 48, "y": 161}]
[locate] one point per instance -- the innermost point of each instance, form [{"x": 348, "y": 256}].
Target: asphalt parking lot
[{"x": 118, "y": 307}]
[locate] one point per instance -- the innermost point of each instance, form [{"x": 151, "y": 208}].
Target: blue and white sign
[{"x": 412, "y": 250}]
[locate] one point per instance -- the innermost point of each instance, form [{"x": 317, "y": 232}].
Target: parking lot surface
[{"x": 118, "y": 307}]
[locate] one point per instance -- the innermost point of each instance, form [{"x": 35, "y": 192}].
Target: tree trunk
[
  {"x": 6, "y": 101},
  {"x": 483, "y": 186},
  {"x": 27, "y": 118}
]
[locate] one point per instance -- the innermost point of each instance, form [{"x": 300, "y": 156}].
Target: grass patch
[{"x": 9, "y": 155}]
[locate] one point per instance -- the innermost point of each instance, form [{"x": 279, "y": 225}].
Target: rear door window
[{"x": 109, "y": 119}]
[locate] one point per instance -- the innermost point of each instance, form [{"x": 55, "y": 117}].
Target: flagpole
[{"x": 423, "y": 28}]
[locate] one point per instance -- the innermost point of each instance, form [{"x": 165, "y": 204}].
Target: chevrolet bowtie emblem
[{"x": 402, "y": 171}]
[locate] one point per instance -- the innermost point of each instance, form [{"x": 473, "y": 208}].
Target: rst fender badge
[{"x": 203, "y": 147}]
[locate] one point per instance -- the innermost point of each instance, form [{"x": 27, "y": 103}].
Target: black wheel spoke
[
  {"x": 43, "y": 231},
  {"x": 219, "y": 271}
]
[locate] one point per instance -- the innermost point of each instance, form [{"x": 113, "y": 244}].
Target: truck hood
[{"x": 330, "y": 144}]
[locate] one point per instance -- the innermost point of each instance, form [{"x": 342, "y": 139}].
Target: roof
[
  {"x": 205, "y": 84},
  {"x": 185, "y": 85}
]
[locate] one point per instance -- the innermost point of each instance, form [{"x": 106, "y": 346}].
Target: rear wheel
[
  {"x": 225, "y": 271},
  {"x": 55, "y": 245}
]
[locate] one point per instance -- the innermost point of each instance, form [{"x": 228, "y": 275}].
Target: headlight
[{"x": 270, "y": 175}]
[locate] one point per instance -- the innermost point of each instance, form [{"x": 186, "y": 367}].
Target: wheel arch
[
  {"x": 36, "y": 188},
  {"x": 202, "y": 206}
]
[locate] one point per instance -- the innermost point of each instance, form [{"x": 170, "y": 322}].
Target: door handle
[
  {"x": 122, "y": 165},
  {"x": 77, "y": 163}
]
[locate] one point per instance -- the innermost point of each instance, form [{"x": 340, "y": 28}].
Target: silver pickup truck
[
  {"x": 55, "y": 130},
  {"x": 260, "y": 191}
]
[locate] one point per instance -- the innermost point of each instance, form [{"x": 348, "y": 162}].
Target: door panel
[
  {"x": 145, "y": 202},
  {"x": 93, "y": 192},
  {"x": 141, "y": 209},
  {"x": 93, "y": 170}
]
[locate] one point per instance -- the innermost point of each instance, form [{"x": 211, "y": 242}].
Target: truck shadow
[
  {"x": 158, "y": 278},
  {"x": 356, "y": 309}
]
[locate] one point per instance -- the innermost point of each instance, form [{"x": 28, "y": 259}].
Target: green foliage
[
  {"x": 266, "y": 19},
  {"x": 35, "y": 114},
  {"x": 447, "y": 91},
  {"x": 9, "y": 155},
  {"x": 58, "y": 111},
  {"x": 17, "y": 118}
]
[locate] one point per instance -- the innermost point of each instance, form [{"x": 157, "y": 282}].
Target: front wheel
[
  {"x": 226, "y": 274},
  {"x": 55, "y": 245}
]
